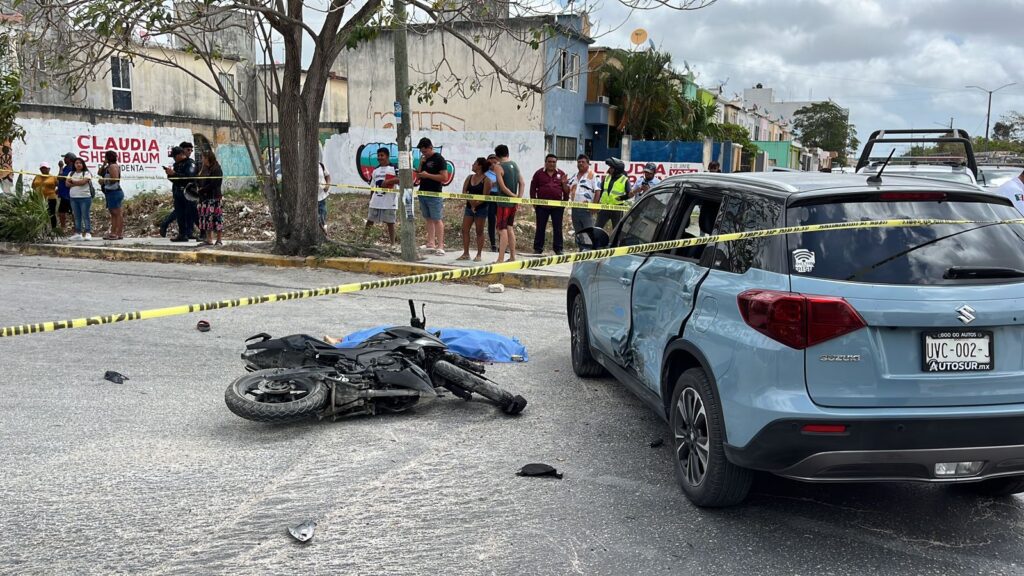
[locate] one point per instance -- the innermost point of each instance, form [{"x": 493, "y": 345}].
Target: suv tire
[
  {"x": 704, "y": 473},
  {"x": 995, "y": 487},
  {"x": 583, "y": 362}
]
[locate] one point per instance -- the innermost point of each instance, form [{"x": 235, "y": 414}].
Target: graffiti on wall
[
  {"x": 426, "y": 120},
  {"x": 142, "y": 150},
  {"x": 366, "y": 160}
]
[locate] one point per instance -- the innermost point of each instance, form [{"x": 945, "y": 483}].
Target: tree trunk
[{"x": 298, "y": 231}]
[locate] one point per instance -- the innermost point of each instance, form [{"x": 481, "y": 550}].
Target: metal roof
[{"x": 788, "y": 183}]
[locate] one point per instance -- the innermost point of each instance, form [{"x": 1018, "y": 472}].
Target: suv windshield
[
  {"x": 997, "y": 176},
  {"x": 917, "y": 255}
]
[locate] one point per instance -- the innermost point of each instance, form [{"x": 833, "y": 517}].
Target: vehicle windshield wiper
[
  {"x": 978, "y": 272},
  {"x": 902, "y": 253}
]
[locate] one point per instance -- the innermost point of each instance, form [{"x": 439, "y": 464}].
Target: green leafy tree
[
  {"x": 1009, "y": 128},
  {"x": 701, "y": 121},
  {"x": 647, "y": 91},
  {"x": 827, "y": 126},
  {"x": 77, "y": 38}
]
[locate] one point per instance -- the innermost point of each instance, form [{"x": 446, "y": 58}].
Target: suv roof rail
[
  {"x": 902, "y": 136},
  {"x": 766, "y": 182}
]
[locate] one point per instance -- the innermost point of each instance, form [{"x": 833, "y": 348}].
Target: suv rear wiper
[{"x": 978, "y": 272}]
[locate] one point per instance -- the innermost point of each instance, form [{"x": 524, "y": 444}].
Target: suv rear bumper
[{"x": 893, "y": 449}]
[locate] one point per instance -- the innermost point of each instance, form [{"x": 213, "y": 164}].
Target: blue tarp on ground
[{"x": 473, "y": 344}]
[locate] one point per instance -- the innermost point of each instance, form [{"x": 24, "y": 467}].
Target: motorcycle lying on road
[{"x": 299, "y": 376}]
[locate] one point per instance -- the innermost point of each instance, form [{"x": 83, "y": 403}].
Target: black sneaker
[{"x": 180, "y": 239}]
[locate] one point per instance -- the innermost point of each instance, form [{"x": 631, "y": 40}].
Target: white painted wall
[
  {"x": 460, "y": 148},
  {"x": 146, "y": 149}
]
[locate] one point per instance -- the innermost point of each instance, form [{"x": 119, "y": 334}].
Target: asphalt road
[{"x": 156, "y": 476}]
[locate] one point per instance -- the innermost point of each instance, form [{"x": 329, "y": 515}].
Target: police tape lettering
[{"x": 473, "y": 272}]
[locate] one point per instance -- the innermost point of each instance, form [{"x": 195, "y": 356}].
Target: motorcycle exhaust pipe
[{"x": 387, "y": 393}]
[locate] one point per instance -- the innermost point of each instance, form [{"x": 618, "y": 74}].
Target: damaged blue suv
[{"x": 874, "y": 354}]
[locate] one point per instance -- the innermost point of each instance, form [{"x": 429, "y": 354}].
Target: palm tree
[
  {"x": 647, "y": 91},
  {"x": 649, "y": 95}
]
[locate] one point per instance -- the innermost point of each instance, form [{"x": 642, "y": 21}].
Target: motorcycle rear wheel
[
  {"x": 276, "y": 395},
  {"x": 467, "y": 380}
]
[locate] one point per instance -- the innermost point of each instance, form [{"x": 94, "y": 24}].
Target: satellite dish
[{"x": 638, "y": 37}]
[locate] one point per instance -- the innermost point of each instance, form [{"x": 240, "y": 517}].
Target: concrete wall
[
  {"x": 341, "y": 152},
  {"x": 663, "y": 151},
  {"x": 333, "y": 110},
  {"x": 142, "y": 150},
  {"x": 371, "y": 85},
  {"x": 782, "y": 154}
]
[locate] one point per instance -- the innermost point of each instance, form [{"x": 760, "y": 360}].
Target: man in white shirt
[
  {"x": 324, "y": 180},
  {"x": 383, "y": 205},
  {"x": 647, "y": 181},
  {"x": 1014, "y": 190},
  {"x": 581, "y": 189}
]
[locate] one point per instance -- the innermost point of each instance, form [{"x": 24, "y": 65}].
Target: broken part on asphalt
[
  {"x": 539, "y": 469},
  {"x": 303, "y": 532},
  {"x": 115, "y": 377}
]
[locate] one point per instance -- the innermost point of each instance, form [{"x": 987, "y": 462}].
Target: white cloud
[{"x": 897, "y": 63}]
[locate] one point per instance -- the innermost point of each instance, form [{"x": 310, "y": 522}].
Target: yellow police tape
[
  {"x": 502, "y": 199},
  {"x": 475, "y": 271}
]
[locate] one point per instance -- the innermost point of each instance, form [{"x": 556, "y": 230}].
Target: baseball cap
[
  {"x": 44, "y": 165},
  {"x": 650, "y": 167},
  {"x": 69, "y": 155},
  {"x": 424, "y": 143}
]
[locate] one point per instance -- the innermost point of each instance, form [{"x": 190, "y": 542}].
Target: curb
[{"x": 358, "y": 265}]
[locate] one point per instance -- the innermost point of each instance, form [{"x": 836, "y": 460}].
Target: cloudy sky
[{"x": 893, "y": 63}]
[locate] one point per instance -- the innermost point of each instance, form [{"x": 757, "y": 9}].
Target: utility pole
[
  {"x": 988, "y": 115},
  {"x": 407, "y": 230}
]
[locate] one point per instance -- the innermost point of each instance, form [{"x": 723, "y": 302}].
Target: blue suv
[{"x": 874, "y": 354}]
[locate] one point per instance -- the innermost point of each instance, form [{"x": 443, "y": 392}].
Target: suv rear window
[{"x": 917, "y": 256}]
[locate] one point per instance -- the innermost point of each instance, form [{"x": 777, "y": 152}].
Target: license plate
[{"x": 957, "y": 351}]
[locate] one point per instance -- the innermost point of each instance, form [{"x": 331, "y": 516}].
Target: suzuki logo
[{"x": 965, "y": 314}]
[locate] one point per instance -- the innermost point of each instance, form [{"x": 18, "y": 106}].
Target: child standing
[{"x": 383, "y": 205}]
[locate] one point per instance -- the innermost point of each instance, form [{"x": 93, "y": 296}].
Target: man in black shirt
[{"x": 433, "y": 173}]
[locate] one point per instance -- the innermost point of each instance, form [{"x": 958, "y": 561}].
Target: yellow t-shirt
[{"x": 45, "y": 185}]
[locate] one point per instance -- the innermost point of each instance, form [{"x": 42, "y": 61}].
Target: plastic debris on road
[
  {"x": 115, "y": 377},
  {"x": 538, "y": 469},
  {"x": 496, "y": 288},
  {"x": 303, "y": 532}
]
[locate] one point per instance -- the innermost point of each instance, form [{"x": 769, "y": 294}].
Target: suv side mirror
[{"x": 592, "y": 238}]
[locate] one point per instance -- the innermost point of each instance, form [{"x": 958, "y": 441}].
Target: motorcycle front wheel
[
  {"x": 467, "y": 380},
  {"x": 276, "y": 395}
]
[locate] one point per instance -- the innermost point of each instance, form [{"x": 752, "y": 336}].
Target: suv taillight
[{"x": 798, "y": 320}]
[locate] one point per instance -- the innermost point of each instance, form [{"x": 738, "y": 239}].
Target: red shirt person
[{"x": 549, "y": 183}]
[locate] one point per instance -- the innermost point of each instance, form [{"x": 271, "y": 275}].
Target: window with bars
[
  {"x": 565, "y": 148},
  {"x": 227, "y": 81},
  {"x": 121, "y": 82},
  {"x": 569, "y": 71}
]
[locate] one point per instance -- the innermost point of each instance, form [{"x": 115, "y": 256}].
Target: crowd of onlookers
[
  {"x": 198, "y": 214},
  {"x": 196, "y": 190},
  {"x": 498, "y": 175}
]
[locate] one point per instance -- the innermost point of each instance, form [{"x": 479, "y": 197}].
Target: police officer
[
  {"x": 181, "y": 174},
  {"x": 614, "y": 191}
]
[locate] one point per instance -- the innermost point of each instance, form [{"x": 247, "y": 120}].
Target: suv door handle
[{"x": 625, "y": 281}]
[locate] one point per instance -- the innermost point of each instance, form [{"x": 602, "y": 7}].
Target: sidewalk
[{"x": 163, "y": 250}]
